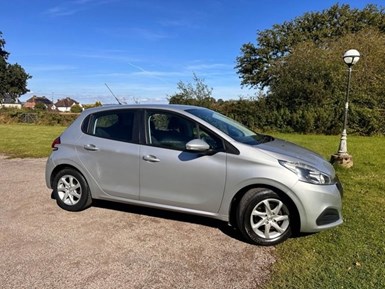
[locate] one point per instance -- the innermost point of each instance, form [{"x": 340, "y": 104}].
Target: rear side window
[{"x": 116, "y": 125}]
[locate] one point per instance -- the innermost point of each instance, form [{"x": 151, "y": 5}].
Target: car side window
[
  {"x": 173, "y": 131},
  {"x": 212, "y": 140},
  {"x": 115, "y": 125}
]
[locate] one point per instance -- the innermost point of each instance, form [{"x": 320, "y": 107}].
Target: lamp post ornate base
[{"x": 344, "y": 160}]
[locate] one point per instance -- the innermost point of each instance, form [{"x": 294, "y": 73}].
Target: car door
[
  {"x": 172, "y": 176},
  {"x": 109, "y": 151}
]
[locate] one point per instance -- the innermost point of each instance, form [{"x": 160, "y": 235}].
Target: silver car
[{"x": 194, "y": 160}]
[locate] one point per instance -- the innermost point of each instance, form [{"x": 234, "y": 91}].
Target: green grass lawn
[
  {"x": 353, "y": 254},
  {"x": 349, "y": 256},
  {"x": 27, "y": 140}
]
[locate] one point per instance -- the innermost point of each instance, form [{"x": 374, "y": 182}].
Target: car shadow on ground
[{"x": 224, "y": 227}]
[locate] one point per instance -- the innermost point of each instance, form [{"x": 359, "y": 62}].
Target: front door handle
[
  {"x": 151, "y": 159},
  {"x": 90, "y": 147}
]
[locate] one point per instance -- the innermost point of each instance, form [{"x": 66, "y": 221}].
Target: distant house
[
  {"x": 31, "y": 103},
  {"x": 65, "y": 104},
  {"x": 10, "y": 102}
]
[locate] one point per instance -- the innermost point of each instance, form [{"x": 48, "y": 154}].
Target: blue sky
[{"x": 140, "y": 48}]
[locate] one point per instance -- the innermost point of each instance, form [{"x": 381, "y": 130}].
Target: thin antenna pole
[{"x": 113, "y": 94}]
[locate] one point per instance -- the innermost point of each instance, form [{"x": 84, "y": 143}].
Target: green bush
[
  {"x": 366, "y": 121},
  {"x": 76, "y": 108},
  {"x": 41, "y": 117},
  {"x": 40, "y": 106},
  {"x": 327, "y": 119}
]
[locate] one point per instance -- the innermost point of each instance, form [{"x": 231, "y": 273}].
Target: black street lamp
[{"x": 342, "y": 157}]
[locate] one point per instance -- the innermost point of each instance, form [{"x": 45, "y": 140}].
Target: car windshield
[{"x": 230, "y": 127}]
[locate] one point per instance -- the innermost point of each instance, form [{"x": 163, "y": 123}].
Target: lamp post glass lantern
[
  {"x": 351, "y": 57},
  {"x": 342, "y": 157}
]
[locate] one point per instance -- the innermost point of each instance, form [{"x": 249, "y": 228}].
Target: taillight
[{"x": 55, "y": 143}]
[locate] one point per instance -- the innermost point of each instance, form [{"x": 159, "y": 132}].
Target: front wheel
[
  {"x": 263, "y": 217},
  {"x": 71, "y": 190}
]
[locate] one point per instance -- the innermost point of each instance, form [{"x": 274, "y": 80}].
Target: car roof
[{"x": 174, "y": 107}]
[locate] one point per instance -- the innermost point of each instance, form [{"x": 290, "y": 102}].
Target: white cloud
[
  {"x": 61, "y": 11},
  {"x": 51, "y": 68},
  {"x": 69, "y": 8},
  {"x": 207, "y": 66}
]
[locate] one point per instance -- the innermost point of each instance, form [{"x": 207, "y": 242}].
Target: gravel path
[{"x": 111, "y": 245}]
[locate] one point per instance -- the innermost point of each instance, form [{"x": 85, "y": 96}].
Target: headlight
[{"x": 308, "y": 173}]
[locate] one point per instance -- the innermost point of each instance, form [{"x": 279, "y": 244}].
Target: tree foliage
[
  {"x": 196, "y": 93},
  {"x": 299, "y": 65},
  {"x": 273, "y": 45},
  {"x": 13, "y": 78},
  {"x": 315, "y": 79}
]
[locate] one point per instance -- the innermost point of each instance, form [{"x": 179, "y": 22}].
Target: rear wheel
[
  {"x": 263, "y": 217},
  {"x": 71, "y": 190}
]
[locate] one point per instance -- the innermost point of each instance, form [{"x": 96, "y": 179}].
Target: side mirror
[{"x": 197, "y": 145}]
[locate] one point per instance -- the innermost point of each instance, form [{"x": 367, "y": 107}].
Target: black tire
[
  {"x": 71, "y": 190},
  {"x": 263, "y": 217}
]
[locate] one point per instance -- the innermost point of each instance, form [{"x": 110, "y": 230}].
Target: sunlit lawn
[
  {"x": 27, "y": 140},
  {"x": 352, "y": 255}
]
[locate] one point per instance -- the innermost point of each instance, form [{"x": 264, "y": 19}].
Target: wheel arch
[
  {"x": 294, "y": 212},
  {"x": 77, "y": 183},
  {"x": 61, "y": 167}
]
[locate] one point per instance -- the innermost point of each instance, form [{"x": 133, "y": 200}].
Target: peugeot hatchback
[{"x": 194, "y": 160}]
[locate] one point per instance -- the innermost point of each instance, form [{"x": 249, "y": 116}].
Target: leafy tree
[
  {"x": 314, "y": 79},
  {"x": 274, "y": 45},
  {"x": 3, "y": 54},
  {"x": 3, "y": 66},
  {"x": 13, "y": 78},
  {"x": 300, "y": 65},
  {"x": 196, "y": 93}
]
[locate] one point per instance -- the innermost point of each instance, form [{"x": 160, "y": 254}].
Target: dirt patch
[{"x": 112, "y": 245}]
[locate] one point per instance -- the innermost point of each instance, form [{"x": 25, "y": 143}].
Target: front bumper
[{"x": 321, "y": 206}]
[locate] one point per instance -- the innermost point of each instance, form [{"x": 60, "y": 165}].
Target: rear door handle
[
  {"x": 90, "y": 147},
  {"x": 151, "y": 159}
]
